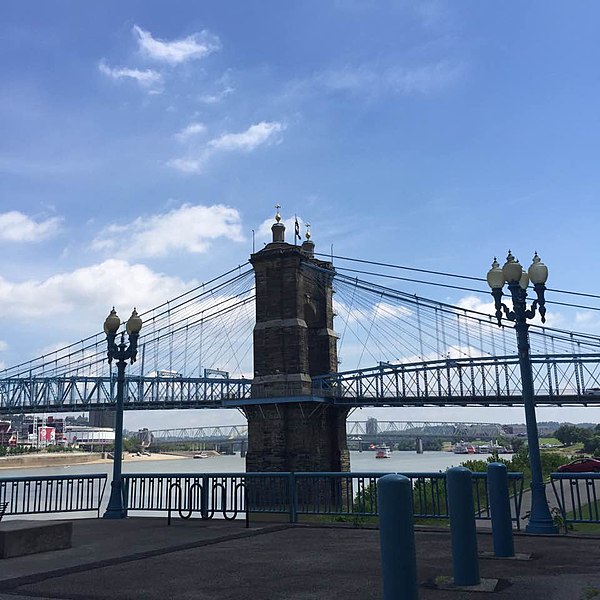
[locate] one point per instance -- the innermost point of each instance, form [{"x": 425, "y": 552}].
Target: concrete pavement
[{"x": 143, "y": 558}]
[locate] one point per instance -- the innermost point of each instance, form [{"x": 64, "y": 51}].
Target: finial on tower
[
  {"x": 308, "y": 246},
  {"x": 278, "y": 228}
]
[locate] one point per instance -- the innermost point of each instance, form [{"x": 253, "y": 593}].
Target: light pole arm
[{"x": 501, "y": 307}]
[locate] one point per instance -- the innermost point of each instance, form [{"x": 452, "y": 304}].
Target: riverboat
[
  {"x": 383, "y": 452},
  {"x": 463, "y": 448}
]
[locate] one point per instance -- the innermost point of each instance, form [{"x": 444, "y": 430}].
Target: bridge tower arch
[{"x": 288, "y": 429}]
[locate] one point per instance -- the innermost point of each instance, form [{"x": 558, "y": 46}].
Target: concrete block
[{"x": 18, "y": 538}]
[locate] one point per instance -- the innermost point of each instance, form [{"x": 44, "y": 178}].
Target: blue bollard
[
  {"x": 502, "y": 531},
  {"x": 462, "y": 526},
  {"x": 397, "y": 535}
]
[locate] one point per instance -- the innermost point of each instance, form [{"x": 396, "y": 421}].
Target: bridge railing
[
  {"x": 577, "y": 496},
  {"x": 488, "y": 378},
  {"x": 46, "y": 494},
  {"x": 346, "y": 495}
]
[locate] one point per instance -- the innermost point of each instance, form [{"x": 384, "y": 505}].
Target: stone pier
[{"x": 293, "y": 341}]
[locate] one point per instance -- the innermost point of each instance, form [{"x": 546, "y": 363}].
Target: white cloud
[
  {"x": 17, "y": 227},
  {"x": 95, "y": 288},
  {"x": 224, "y": 88},
  {"x": 189, "y": 228},
  {"x": 256, "y": 135},
  {"x": 384, "y": 310},
  {"x": 187, "y": 165},
  {"x": 195, "y": 46},
  {"x": 190, "y": 130},
  {"x": 217, "y": 96},
  {"x": 475, "y": 304},
  {"x": 372, "y": 80},
  {"x": 147, "y": 78}
]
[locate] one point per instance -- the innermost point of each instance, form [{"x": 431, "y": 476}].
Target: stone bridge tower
[{"x": 288, "y": 428}]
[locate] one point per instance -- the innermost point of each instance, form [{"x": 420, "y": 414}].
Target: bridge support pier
[
  {"x": 294, "y": 341},
  {"x": 419, "y": 445},
  {"x": 297, "y": 437}
]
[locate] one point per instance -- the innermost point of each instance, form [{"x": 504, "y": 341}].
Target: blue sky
[{"x": 142, "y": 142}]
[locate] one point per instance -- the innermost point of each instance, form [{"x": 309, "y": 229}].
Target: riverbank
[{"x": 43, "y": 459}]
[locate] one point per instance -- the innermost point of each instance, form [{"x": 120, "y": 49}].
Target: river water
[
  {"x": 402, "y": 462},
  {"x": 364, "y": 462}
]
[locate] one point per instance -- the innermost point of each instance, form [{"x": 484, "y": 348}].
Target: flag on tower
[{"x": 297, "y": 229}]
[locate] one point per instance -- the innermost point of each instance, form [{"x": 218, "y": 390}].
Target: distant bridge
[{"x": 370, "y": 430}]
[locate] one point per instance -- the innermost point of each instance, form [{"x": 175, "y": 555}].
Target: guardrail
[
  {"x": 52, "y": 494},
  {"x": 577, "y": 495},
  {"x": 346, "y": 495}
]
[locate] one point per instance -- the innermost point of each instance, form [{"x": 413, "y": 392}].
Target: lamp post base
[
  {"x": 541, "y": 527},
  {"x": 115, "y": 508},
  {"x": 540, "y": 519},
  {"x": 115, "y": 514}
]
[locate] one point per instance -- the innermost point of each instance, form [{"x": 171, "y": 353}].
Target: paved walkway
[{"x": 142, "y": 558}]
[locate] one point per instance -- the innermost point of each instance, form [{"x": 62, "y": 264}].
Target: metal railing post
[
  {"x": 502, "y": 532},
  {"x": 125, "y": 487},
  {"x": 462, "y": 526},
  {"x": 293, "y": 498},
  {"x": 204, "y": 497},
  {"x": 397, "y": 536}
]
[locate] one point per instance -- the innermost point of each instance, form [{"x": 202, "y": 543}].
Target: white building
[{"x": 86, "y": 436}]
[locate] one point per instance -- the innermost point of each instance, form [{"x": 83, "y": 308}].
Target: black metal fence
[
  {"x": 52, "y": 494},
  {"x": 236, "y": 495},
  {"x": 577, "y": 495},
  {"x": 351, "y": 495}
]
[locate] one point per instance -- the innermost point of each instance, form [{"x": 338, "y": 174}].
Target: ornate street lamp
[
  {"x": 512, "y": 273},
  {"x": 121, "y": 353}
]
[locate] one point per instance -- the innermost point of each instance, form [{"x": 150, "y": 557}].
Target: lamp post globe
[
  {"x": 538, "y": 271},
  {"x": 495, "y": 276},
  {"x": 112, "y": 322},
  {"x": 512, "y": 269},
  {"x": 134, "y": 323}
]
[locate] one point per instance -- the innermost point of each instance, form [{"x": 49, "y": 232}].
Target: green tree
[
  {"x": 517, "y": 443},
  {"x": 592, "y": 445},
  {"x": 568, "y": 434}
]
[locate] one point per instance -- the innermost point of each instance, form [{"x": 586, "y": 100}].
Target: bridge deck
[{"x": 488, "y": 381}]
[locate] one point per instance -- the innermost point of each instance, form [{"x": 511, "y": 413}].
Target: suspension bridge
[
  {"x": 269, "y": 338},
  {"x": 422, "y": 353}
]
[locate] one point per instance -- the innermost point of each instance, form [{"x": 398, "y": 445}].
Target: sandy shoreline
[{"x": 74, "y": 458}]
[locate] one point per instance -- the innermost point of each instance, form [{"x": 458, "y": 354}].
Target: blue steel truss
[
  {"x": 486, "y": 381},
  {"x": 356, "y": 430},
  {"x": 56, "y": 394}
]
